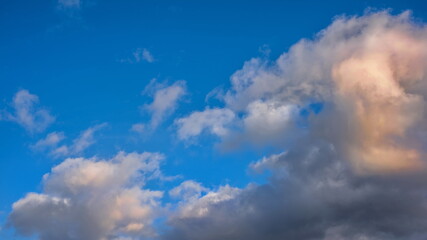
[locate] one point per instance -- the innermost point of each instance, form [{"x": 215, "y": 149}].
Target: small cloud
[
  {"x": 69, "y": 4},
  {"x": 51, "y": 142},
  {"x": 138, "y": 128},
  {"x": 27, "y": 113},
  {"x": 264, "y": 50},
  {"x": 146, "y": 55},
  {"x": 139, "y": 55},
  {"x": 165, "y": 100},
  {"x": 214, "y": 121},
  {"x": 86, "y": 138}
]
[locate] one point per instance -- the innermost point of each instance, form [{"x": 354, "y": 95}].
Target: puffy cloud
[
  {"x": 194, "y": 203},
  {"x": 211, "y": 120},
  {"x": 357, "y": 169},
  {"x": 268, "y": 121},
  {"x": 92, "y": 199},
  {"x": 187, "y": 190},
  {"x": 28, "y": 114},
  {"x": 366, "y": 71},
  {"x": 165, "y": 100}
]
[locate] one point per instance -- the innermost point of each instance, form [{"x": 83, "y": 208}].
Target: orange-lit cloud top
[
  {"x": 371, "y": 69},
  {"x": 373, "y": 90}
]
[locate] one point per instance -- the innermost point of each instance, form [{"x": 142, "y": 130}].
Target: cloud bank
[
  {"x": 351, "y": 168},
  {"x": 346, "y": 112}
]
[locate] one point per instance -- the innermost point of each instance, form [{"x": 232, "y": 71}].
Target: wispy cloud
[
  {"x": 27, "y": 112},
  {"x": 215, "y": 121},
  {"x": 139, "y": 55},
  {"x": 51, "y": 143},
  {"x": 138, "y": 128},
  {"x": 69, "y": 4},
  {"x": 165, "y": 100}
]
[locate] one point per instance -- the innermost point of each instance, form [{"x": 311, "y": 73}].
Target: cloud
[
  {"x": 139, "y": 55},
  {"x": 69, "y": 4},
  {"x": 267, "y": 121},
  {"x": 92, "y": 199},
  {"x": 356, "y": 168},
  {"x": 213, "y": 121},
  {"x": 195, "y": 204},
  {"x": 86, "y": 138},
  {"x": 28, "y": 114},
  {"x": 165, "y": 100},
  {"x": 187, "y": 190},
  {"x": 267, "y": 162},
  {"x": 143, "y": 54},
  {"x": 52, "y": 142},
  {"x": 138, "y": 128}
]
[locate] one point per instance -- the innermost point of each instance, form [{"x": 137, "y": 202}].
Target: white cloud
[
  {"x": 267, "y": 162},
  {"x": 138, "y": 128},
  {"x": 86, "y": 138},
  {"x": 165, "y": 100},
  {"x": 51, "y": 140},
  {"x": 28, "y": 114},
  {"x": 267, "y": 121},
  {"x": 197, "y": 205},
  {"x": 187, "y": 190},
  {"x": 214, "y": 121},
  {"x": 90, "y": 199}
]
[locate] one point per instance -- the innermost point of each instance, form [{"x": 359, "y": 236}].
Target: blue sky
[{"x": 97, "y": 66}]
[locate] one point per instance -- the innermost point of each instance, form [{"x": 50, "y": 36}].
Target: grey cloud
[{"x": 356, "y": 169}]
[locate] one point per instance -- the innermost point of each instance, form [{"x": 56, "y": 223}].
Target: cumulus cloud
[
  {"x": 187, "y": 190},
  {"x": 268, "y": 121},
  {"x": 213, "y": 120},
  {"x": 165, "y": 100},
  {"x": 357, "y": 169},
  {"x": 196, "y": 200},
  {"x": 354, "y": 170},
  {"x": 92, "y": 199},
  {"x": 27, "y": 112}
]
